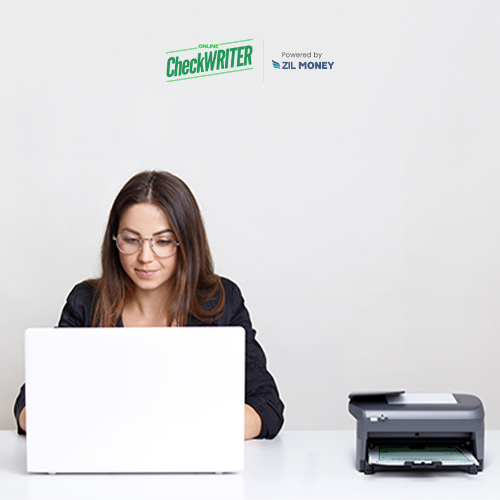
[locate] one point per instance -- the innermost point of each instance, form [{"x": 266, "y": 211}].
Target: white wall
[{"x": 357, "y": 208}]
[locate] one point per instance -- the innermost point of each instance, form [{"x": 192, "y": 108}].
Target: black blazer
[{"x": 261, "y": 392}]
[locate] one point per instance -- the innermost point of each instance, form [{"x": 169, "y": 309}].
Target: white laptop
[{"x": 134, "y": 400}]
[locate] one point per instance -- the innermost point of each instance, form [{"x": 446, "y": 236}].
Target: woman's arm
[
  {"x": 77, "y": 312},
  {"x": 261, "y": 392}
]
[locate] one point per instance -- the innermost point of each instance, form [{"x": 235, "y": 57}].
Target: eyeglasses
[{"x": 162, "y": 246}]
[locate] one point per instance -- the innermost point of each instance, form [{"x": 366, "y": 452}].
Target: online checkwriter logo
[{"x": 214, "y": 61}]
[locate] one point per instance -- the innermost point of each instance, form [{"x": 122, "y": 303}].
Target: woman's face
[{"x": 145, "y": 268}]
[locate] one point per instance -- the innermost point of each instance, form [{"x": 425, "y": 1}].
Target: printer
[{"x": 418, "y": 431}]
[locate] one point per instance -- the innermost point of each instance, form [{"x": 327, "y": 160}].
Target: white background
[{"x": 358, "y": 208}]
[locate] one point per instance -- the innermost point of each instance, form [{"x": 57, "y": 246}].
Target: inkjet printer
[{"x": 416, "y": 431}]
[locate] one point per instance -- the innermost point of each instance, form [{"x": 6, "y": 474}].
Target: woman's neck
[{"x": 146, "y": 308}]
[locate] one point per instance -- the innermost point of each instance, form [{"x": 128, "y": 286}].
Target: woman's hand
[
  {"x": 253, "y": 423},
  {"x": 22, "y": 419}
]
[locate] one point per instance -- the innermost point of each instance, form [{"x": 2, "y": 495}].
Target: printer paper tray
[{"x": 424, "y": 456}]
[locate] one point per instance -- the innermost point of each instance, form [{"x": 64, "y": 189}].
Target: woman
[{"x": 157, "y": 270}]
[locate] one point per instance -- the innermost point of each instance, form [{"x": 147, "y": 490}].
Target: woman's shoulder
[
  {"x": 232, "y": 295},
  {"x": 79, "y": 308},
  {"x": 229, "y": 285},
  {"x": 84, "y": 291},
  {"x": 232, "y": 291},
  {"x": 234, "y": 299},
  {"x": 233, "y": 311}
]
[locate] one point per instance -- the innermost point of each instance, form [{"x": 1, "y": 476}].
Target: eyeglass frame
[{"x": 151, "y": 245}]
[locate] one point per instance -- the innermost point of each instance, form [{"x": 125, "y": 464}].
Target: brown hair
[{"x": 194, "y": 280}]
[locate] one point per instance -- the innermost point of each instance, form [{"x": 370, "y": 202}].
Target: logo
[
  {"x": 213, "y": 59},
  {"x": 302, "y": 60}
]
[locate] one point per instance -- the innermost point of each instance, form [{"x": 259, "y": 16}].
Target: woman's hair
[{"x": 194, "y": 280}]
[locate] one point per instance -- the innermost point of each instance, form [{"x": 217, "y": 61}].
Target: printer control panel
[{"x": 380, "y": 418}]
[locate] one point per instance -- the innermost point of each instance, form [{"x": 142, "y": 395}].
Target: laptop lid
[{"x": 135, "y": 399}]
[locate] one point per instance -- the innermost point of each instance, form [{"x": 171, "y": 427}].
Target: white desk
[{"x": 296, "y": 465}]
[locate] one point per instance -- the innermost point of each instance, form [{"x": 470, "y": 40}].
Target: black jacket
[{"x": 261, "y": 392}]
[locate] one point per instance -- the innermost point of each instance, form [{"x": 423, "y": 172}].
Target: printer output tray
[
  {"x": 457, "y": 453},
  {"x": 423, "y": 457}
]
